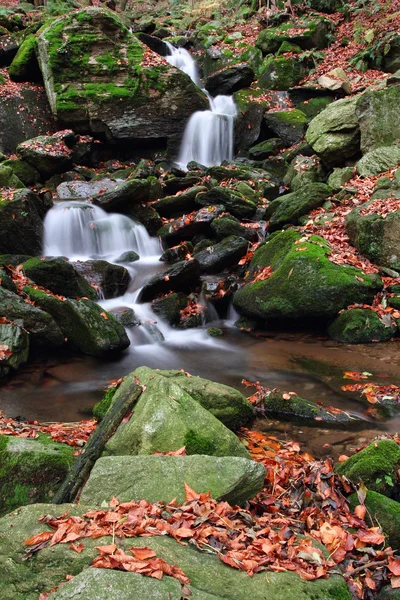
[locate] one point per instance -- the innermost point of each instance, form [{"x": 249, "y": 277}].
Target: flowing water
[
  {"x": 209, "y": 134},
  {"x": 62, "y": 388}
]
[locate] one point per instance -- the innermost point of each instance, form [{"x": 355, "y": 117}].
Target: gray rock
[
  {"x": 181, "y": 277},
  {"x": 222, "y": 255},
  {"x": 13, "y": 340},
  {"x": 230, "y": 80}
]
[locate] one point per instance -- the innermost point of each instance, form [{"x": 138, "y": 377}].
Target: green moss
[
  {"x": 100, "y": 409},
  {"x": 24, "y": 61},
  {"x": 198, "y": 444},
  {"x": 311, "y": 108},
  {"x": 376, "y": 466},
  {"x": 360, "y": 326},
  {"x": 281, "y": 73},
  {"x": 31, "y": 470},
  {"x": 384, "y": 512}
]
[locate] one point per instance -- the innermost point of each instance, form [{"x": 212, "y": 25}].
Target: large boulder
[
  {"x": 230, "y": 80},
  {"x": 334, "y": 134},
  {"x": 85, "y": 326},
  {"x": 289, "y": 208},
  {"x": 307, "y": 34},
  {"x": 361, "y": 326},
  {"x": 59, "y": 276},
  {"x": 376, "y": 466},
  {"x": 49, "y": 154},
  {"x": 376, "y": 236},
  {"x": 384, "y": 511},
  {"x": 182, "y": 276},
  {"x": 302, "y": 282},
  {"x": 109, "y": 279},
  {"x": 100, "y": 78},
  {"x": 44, "y": 331},
  {"x": 21, "y": 222},
  {"x": 280, "y": 73},
  {"x": 378, "y": 160},
  {"x": 225, "y": 403},
  {"x": 289, "y": 125},
  {"x": 14, "y": 347},
  {"x": 31, "y": 470},
  {"x": 377, "y": 113},
  {"x": 210, "y": 579},
  {"x": 233, "y": 479},
  {"x": 222, "y": 255},
  {"x": 124, "y": 195},
  {"x": 165, "y": 418}
]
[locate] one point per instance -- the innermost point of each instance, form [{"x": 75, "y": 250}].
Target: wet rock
[
  {"x": 179, "y": 184},
  {"x": 222, "y": 255},
  {"x": 23, "y": 171},
  {"x": 249, "y": 120},
  {"x": 48, "y": 154},
  {"x": 128, "y": 257},
  {"x": 32, "y": 470},
  {"x": 224, "y": 227},
  {"x": 70, "y": 190},
  {"x": 290, "y": 207},
  {"x": 85, "y": 325},
  {"x": 97, "y": 80},
  {"x": 288, "y": 125},
  {"x": 232, "y": 479},
  {"x": 181, "y": 277},
  {"x": 234, "y": 202},
  {"x": 178, "y": 205},
  {"x": 169, "y": 307},
  {"x": 126, "y": 316},
  {"x": 109, "y": 279},
  {"x": 44, "y": 331},
  {"x": 230, "y": 80},
  {"x": 59, "y": 276},
  {"x": 147, "y": 216},
  {"x": 189, "y": 226},
  {"x": 177, "y": 253},
  {"x": 303, "y": 283},
  {"x": 266, "y": 149},
  {"x": 124, "y": 195},
  {"x": 361, "y": 326},
  {"x": 14, "y": 342},
  {"x": 334, "y": 134},
  {"x": 376, "y": 466},
  {"x": 299, "y": 410}
]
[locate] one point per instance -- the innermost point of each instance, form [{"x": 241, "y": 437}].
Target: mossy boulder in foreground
[
  {"x": 209, "y": 578},
  {"x": 376, "y": 466},
  {"x": 360, "y": 326},
  {"x": 59, "y": 276},
  {"x": 99, "y": 77},
  {"x": 31, "y": 470},
  {"x": 162, "y": 478},
  {"x": 304, "y": 282}
]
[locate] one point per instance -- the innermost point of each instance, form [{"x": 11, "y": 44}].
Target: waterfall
[
  {"x": 209, "y": 134},
  {"x": 79, "y": 230}
]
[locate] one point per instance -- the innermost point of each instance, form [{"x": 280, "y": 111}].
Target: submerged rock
[
  {"x": 233, "y": 479},
  {"x": 303, "y": 283},
  {"x": 376, "y": 466},
  {"x": 99, "y": 77},
  {"x": 31, "y": 470}
]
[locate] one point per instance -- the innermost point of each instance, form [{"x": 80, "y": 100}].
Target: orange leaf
[
  {"x": 103, "y": 314},
  {"x": 394, "y": 565},
  {"x": 360, "y": 511},
  {"x": 39, "y": 538},
  {"x": 142, "y": 553},
  {"x": 190, "y": 494},
  {"x": 110, "y": 549}
]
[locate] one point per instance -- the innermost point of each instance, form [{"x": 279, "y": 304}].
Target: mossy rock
[
  {"x": 42, "y": 328},
  {"x": 289, "y": 208},
  {"x": 228, "y": 226},
  {"x": 13, "y": 339},
  {"x": 378, "y": 160},
  {"x": 8, "y": 179},
  {"x": 224, "y": 254},
  {"x": 281, "y": 73},
  {"x": 266, "y": 148},
  {"x": 376, "y": 466},
  {"x": 85, "y": 325},
  {"x": 31, "y": 470},
  {"x": 100, "y": 409},
  {"x": 376, "y": 237},
  {"x": 24, "y": 66},
  {"x": 304, "y": 170},
  {"x": 23, "y": 170},
  {"x": 110, "y": 279},
  {"x": 169, "y": 308},
  {"x": 340, "y": 177},
  {"x": 304, "y": 282},
  {"x": 312, "y": 107},
  {"x": 100, "y": 77},
  {"x": 360, "y": 326},
  {"x": 310, "y": 33},
  {"x": 334, "y": 134},
  {"x": 377, "y": 112},
  {"x": 384, "y": 512},
  {"x": 289, "y": 125},
  {"x": 182, "y": 204},
  {"x": 59, "y": 276}
]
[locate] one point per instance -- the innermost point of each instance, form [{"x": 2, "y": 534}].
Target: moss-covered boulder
[
  {"x": 24, "y": 66},
  {"x": 109, "y": 279},
  {"x": 85, "y": 326},
  {"x": 184, "y": 228},
  {"x": 339, "y": 177},
  {"x": 181, "y": 277},
  {"x": 304, "y": 170},
  {"x": 376, "y": 466},
  {"x": 266, "y": 148},
  {"x": 14, "y": 344},
  {"x": 23, "y": 170},
  {"x": 233, "y": 479},
  {"x": 384, "y": 512},
  {"x": 377, "y": 113},
  {"x": 99, "y": 77},
  {"x": 361, "y": 326},
  {"x": 378, "y": 160},
  {"x": 375, "y": 236},
  {"x": 124, "y": 195},
  {"x": 233, "y": 201},
  {"x": 179, "y": 204},
  {"x": 169, "y": 307},
  {"x": 293, "y": 408},
  {"x": 334, "y": 134},
  {"x": 59, "y": 276},
  {"x": 8, "y": 179},
  {"x": 289, "y": 208},
  {"x": 165, "y": 418},
  {"x": 281, "y": 73},
  {"x": 288, "y": 125},
  {"x": 304, "y": 282},
  {"x": 228, "y": 226},
  {"x": 307, "y": 34},
  {"x": 42, "y": 328},
  {"x": 209, "y": 578},
  {"x": 222, "y": 255},
  {"x": 311, "y": 107},
  {"x": 31, "y": 470}
]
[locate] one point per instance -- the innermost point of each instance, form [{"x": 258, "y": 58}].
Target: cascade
[{"x": 209, "y": 134}]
